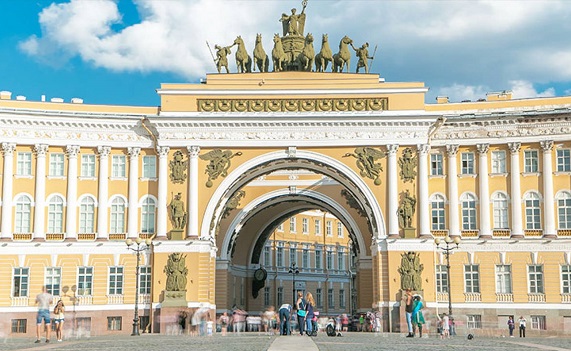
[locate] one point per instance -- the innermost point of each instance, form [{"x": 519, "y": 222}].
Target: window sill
[
  {"x": 467, "y": 175},
  {"x": 493, "y": 175},
  {"x": 531, "y": 174}
]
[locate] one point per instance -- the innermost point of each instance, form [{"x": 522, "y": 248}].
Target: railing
[
  {"x": 115, "y": 299},
  {"x": 441, "y": 296},
  {"x": 146, "y": 235},
  {"x": 86, "y": 236},
  {"x": 145, "y": 298},
  {"x": 504, "y": 297},
  {"x": 565, "y": 298},
  {"x": 55, "y": 236},
  {"x": 121, "y": 236},
  {"x": 472, "y": 297},
  {"x": 535, "y": 297},
  {"x": 470, "y": 233},
  {"x": 533, "y": 232},
  {"x": 501, "y": 233},
  {"x": 564, "y": 232},
  {"x": 439, "y": 233},
  {"x": 85, "y": 300},
  {"x": 22, "y": 236},
  {"x": 20, "y": 301}
]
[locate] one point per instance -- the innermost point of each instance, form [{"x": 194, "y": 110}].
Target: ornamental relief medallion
[{"x": 292, "y": 105}]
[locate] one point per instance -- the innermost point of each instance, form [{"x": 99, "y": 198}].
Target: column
[
  {"x": 515, "y": 189},
  {"x": 423, "y": 201},
  {"x": 71, "y": 213},
  {"x": 162, "y": 214},
  {"x": 133, "y": 212},
  {"x": 192, "y": 208},
  {"x": 392, "y": 186},
  {"x": 485, "y": 227},
  {"x": 103, "y": 212},
  {"x": 549, "y": 228},
  {"x": 453, "y": 221},
  {"x": 8, "y": 177},
  {"x": 40, "y": 196}
]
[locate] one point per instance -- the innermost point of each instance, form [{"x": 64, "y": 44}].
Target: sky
[{"x": 118, "y": 52}]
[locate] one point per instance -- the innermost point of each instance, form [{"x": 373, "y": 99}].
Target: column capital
[
  {"x": 483, "y": 148},
  {"x": 163, "y": 151},
  {"x": 134, "y": 152},
  {"x": 392, "y": 149},
  {"x": 8, "y": 148},
  {"x": 104, "y": 151},
  {"x": 452, "y": 149},
  {"x": 423, "y": 149},
  {"x": 41, "y": 150},
  {"x": 546, "y": 145},
  {"x": 72, "y": 151},
  {"x": 514, "y": 147},
  {"x": 193, "y": 151}
]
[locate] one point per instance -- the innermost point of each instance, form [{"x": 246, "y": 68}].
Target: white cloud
[
  {"x": 523, "y": 89},
  {"x": 460, "y": 92}
]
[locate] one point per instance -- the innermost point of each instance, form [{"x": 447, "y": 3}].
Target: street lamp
[
  {"x": 448, "y": 241},
  {"x": 140, "y": 247},
  {"x": 293, "y": 270}
]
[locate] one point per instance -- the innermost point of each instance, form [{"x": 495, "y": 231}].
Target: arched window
[
  {"x": 468, "y": 212},
  {"x": 117, "y": 222},
  {"x": 438, "y": 213},
  {"x": 87, "y": 216},
  {"x": 55, "y": 215},
  {"x": 23, "y": 215},
  {"x": 564, "y": 210},
  {"x": 148, "y": 216},
  {"x": 532, "y": 211},
  {"x": 500, "y": 207}
]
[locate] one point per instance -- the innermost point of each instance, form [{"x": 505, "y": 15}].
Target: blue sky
[{"x": 119, "y": 51}]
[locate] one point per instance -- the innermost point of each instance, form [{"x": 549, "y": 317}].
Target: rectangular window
[
  {"x": 114, "y": 323},
  {"x": 441, "y": 279},
  {"x": 339, "y": 229},
  {"x": 267, "y": 256},
  {"x": 535, "y": 274},
  {"x": 329, "y": 228},
  {"x": 292, "y": 255},
  {"x": 118, "y": 166},
  {"x": 84, "y": 280},
  {"x": 472, "y": 278},
  {"x": 566, "y": 279},
  {"x": 292, "y": 225},
  {"x": 267, "y": 294},
  {"x": 281, "y": 227},
  {"x": 500, "y": 210},
  {"x": 564, "y": 160},
  {"x": 83, "y": 323},
  {"x": 317, "y": 227},
  {"x": 305, "y": 258},
  {"x": 341, "y": 259},
  {"x": 503, "y": 279},
  {"x": 436, "y": 168},
  {"x": 531, "y": 161},
  {"x": 55, "y": 216},
  {"x": 474, "y": 321},
  {"x": 24, "y": 165},
  {"x": 280, "y": 296},
  {"x": 56, "y": 165},
  {"x": 532, "y": 214},
  {"x": 19, "y": 326},
  {"x": 330, "y": 298},
  {"x": 318, "y": 258},
  {"x": 498, "y": 162},
  {"x": 145, "y": 280},
  {"x": 20, "y": 282},
  {"x": 88, "y": 166},
  {"x": 437, "y": 214},
  {"x": 564, "y": 212},
  {"x": 305, "y": 225},
  {"x": 538, "y": 322},
  {"x": 318, "y": 298},
  {"x": 329, "y": 260},
  {"x": 341, "y": 298},
  {"x": 280, "y": 256},
  {"x": 469, "y": 214},
  {"x": 467, "y": 163},
  {"x": 149, "y": 167},
  {"x": 53, "y": 280},
  {"x": 115, "y": 280}
]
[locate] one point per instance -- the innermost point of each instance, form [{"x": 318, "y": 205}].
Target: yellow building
[{"x": 248, "y": 152}]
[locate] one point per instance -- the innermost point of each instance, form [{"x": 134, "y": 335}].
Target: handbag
[{"x": 301, "y": 313}]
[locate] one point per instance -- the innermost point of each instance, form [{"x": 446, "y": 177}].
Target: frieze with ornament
[
  {"x": 309, "y": 135},
  {"x": 292, "y": 105}
]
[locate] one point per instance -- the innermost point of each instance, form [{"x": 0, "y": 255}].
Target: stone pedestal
[
  {"x": 174, "y": 299},
  {"x": 409, "y": 233},
  {"x": 176, "y": 234}
]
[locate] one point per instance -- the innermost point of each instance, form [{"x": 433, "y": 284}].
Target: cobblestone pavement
[{"x": 255, "y": 342}]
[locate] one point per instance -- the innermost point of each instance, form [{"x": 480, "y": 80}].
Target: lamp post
[
  {"x": 293, "y": 270},
  {"x": 447, "y": 249},
  {"x": 140, "y": 247}
]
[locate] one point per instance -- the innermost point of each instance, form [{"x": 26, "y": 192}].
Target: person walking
[
  {"x": 224, "y": 320},
  {"x": 310, "y": 314},
  {"x": 44, "y": 300},
  {"x": 300, "y": 305},
  {"x": 59, "y": 317},
  {"x": 284, "y": 313},
  {"x": 445, "y": 326},
  {"x": 408, "y": 311},
  {"x": 511, "y": 326},
  {"x": 522, "y": 322},
  {"x": 417, "y": 316}
]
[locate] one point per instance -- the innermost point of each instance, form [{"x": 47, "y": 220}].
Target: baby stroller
[{"x": 314, "y": 325}]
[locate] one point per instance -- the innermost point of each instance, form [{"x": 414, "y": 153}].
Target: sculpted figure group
[{"x": 294, "y": 51}]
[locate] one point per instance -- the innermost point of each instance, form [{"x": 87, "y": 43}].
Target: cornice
[{"x": 292, "y": 92}]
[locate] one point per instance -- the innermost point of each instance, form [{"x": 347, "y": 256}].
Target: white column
[
  {"x": 162, "y": 214},
  {"x": 423, "y": 201},
  {"x": 7, "y": 177},
  {"x": 548, "y": 195},
  {"x": 102, "y": 213},
  {"x": 192, "y": 208},
  {"x": 71, "y": 213},
  {"x": 453, "y": 220},
  {"x": 133, "y": 212},
  {"x": 40, "y": 196},
  {"x": 485, "y": 227},
  {"x": 392, "y": 186},
  {"x": 517, "y": 227}
]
